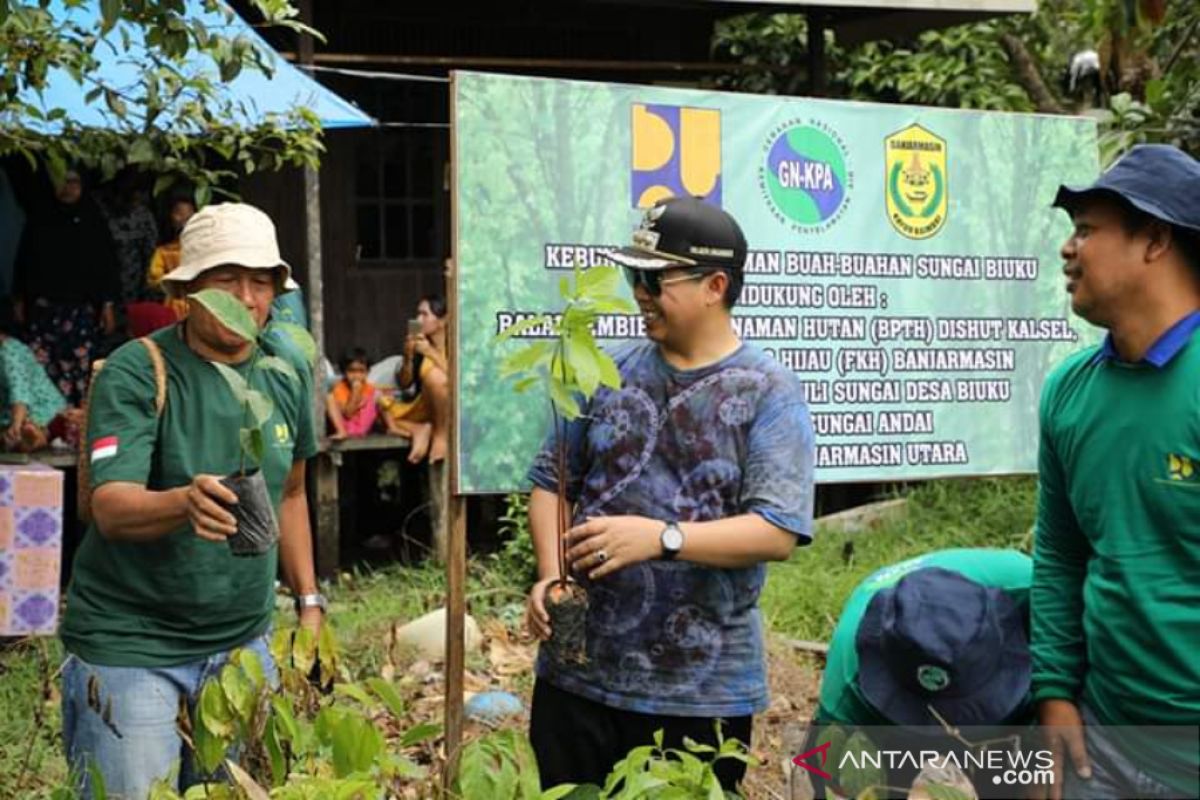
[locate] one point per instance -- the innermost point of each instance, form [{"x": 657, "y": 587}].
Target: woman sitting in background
[
  {"x": 29, "y": 401},
  {"x": 351, "y": 404},
  {"x": 422, "y": 410}
]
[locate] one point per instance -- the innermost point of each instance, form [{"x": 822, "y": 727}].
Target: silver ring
[{"x": 601, "y": 556}]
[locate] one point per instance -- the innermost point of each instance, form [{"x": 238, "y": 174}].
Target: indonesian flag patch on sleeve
[{"x": 104, "y": 447}]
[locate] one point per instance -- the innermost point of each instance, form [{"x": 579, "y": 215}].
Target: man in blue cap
[
  {"x": 940, "y": 639},
  {"x": 1116, "y": 589},
  {"x": 940, "y": 635},
  {"x": 684, "y": 482}
]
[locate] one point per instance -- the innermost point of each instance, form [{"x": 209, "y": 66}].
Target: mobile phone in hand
[{"x": 414, "y": 327}]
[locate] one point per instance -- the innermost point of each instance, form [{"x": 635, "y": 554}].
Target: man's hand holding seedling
[
  {"x": 603, "y": 545},
  {"x": 208, "y": 517}
]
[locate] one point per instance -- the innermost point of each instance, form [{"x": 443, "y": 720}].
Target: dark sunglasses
[{"x": 652, "y": 281}]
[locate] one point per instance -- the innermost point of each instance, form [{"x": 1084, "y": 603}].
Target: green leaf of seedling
[
  {"x": 237, "y": 384},
  {"x": 278, "y": 365},
  {"x": 599, "y": 281},
  {"x": 301, "y": 339},
  {"x": 210, "y": 748},
  {"x": 526, "y": 358},
  {"x": 525, "y": 384},
  {"x": 517, "y": 328},
  {"x": 582, "y": 357},
  {"x": 216, "y": 716},
  {"x": 304, "y": 650},
  {"x": 563, "y": 400},
  {"x": 261, "y": 407},
  {"x": 610, "y": 376},
  {"x": 692, "y": 746},
  {"x": 250, "y": 664},
  {"x": 238, "y": 692},
  {"x": 386, "y": 692},
  {"x": 420, "y": 733},
  {"x": 558, "y": 792},
  {"x": 233, "y": 315},
  {"x": 613, "y": 305},
  {"x": 253, "y": 444},
  {"x": 356, "y": 745},
  {"x": 354, "y": 692},
  {"x": 99, "y": 792},
  {"x": 285, "y": 720},
  {"x": 275, "y": 752},
  {"x": 281, "y": 645},
  {"x": 564, "y": 288},
  {"x": 940, "y": 791},
  {"x": 327, "y": 653}
]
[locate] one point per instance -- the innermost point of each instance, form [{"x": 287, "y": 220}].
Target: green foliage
[
  {"x": 257, "y": 407},
  {"x": 961, "y": 67},
  {"x": 803, "y": 597},
  {"x": 662, "y": 773},
  {"x": 298, "y": 741},
  {"x": 173, "y": 120},
  {"x": 517, "y": 557},
  {"x": 571, "y": 365}
]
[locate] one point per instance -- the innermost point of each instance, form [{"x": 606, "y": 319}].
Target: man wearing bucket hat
[
  {"x": 941, "y": 635},
  {"x": 685, "y": 481},
  {"x": 157, "y": 598},
  {"x": 940, "y": 639},
  {"x": 1116, "y": 588}
]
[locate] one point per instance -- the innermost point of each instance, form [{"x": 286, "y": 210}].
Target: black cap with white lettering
[{"x": 684, "y": 232}]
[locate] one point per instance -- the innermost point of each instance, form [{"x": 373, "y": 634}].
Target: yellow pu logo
[
  {"x": 676, "y": 153},
  {"x": 281, "y": 433},
  {"x": 1180, "y": 468}
]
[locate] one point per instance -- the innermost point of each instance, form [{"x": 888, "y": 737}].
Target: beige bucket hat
[{"x": 228, "y": 233}]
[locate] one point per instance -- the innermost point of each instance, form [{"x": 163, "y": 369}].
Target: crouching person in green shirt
[
  {"x": 938, "y": 639},
  {"x": 157, "y": 600},
  {"x": 1116, "y": 577}
]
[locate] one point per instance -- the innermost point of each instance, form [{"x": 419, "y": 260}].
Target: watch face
[{"x": 672, "y": 539}]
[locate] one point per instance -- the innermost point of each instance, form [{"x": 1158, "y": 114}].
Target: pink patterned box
[{"x": 31, "y": 519}]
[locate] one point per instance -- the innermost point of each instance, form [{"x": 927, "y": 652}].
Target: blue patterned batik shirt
[{"x": 673, "y": 637}]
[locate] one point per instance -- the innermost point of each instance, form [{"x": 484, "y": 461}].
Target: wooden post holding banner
[
  {"x": 456, "y": 540},
  {"x": 313, "y": 283}
]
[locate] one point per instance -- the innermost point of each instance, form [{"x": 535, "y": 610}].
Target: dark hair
[
  {"x": 1185, "y": 240},
  {"x": 8, "y": 319},
  {"x": 355, "y": 355},
  {"x": 733, "y": 292},
  {"x": 437, "y": 304}
]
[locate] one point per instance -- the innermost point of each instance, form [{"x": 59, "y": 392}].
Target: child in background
[
  {"x": 29, "y": 400},
  {"x": 351, "y": 404}
]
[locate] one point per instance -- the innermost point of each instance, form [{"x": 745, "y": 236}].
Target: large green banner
[{"x": 904, "y": 261}]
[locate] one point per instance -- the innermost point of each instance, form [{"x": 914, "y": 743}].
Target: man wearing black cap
[
  {"x": 684, "y": 482},
  {"x": 1116, "y": 589}
]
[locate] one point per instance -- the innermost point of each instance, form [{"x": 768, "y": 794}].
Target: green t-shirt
[
  {"x": 1116, "y": 594},
  {"x": 841, "y": 700},
  {"x": 23, "y": 380},
  {"x": 178, "y": 598}
]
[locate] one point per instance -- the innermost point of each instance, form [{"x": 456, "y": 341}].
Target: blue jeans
[
  {"x": 138, "y": 743},
  {"x": 1114, "y": 775}
]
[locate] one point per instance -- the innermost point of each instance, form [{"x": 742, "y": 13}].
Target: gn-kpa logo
[
  {"x": 676, "y": 153},
  {"x": 916, "y": 181},
  {"x": 806, "y": 176}
]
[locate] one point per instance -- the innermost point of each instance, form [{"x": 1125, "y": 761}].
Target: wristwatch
[
  {"x": 316, "y": 600},
  {"x": 672, "y": 541}
]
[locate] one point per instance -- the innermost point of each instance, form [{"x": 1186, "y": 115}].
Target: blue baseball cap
[
  {"x": 939, "y": 640},
  {"x": 1159, "y": 179}
]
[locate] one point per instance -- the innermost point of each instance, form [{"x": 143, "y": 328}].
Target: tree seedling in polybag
[
  {"x": 572, "y": 368},
  {"x": 258, "y": 529}
]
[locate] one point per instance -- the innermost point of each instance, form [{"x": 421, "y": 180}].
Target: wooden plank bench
[{"x": 327, "y": 529}]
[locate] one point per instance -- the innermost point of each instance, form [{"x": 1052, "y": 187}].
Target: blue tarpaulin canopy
[{"x": 254, "y": 95}]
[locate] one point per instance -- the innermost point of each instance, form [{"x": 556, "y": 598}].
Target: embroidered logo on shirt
[
  {"x": 1180, "y": 468},
  {"x": 104, "y": 447},
  {"x": 281, "y": 433}
]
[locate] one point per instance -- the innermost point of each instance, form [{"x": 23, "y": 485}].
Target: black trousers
[{"x": 577, "y": 740}]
